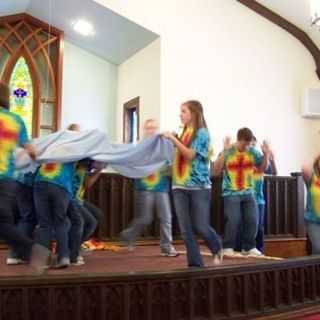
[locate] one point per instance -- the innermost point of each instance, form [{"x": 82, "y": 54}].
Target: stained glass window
[{"x": 21, "y": 98}]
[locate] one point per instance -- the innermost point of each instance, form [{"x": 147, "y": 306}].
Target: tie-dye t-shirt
[
  {"x": 79, "y": 179},
  {"x": 312, "y": 213},
  {"x": 24, "y": 178},
  {"x": 194, "y": 173},
  {"x": 13, "y": 134},
  {"x": 60, "y": 174},
  {"x": 258, "y": 184},
  {"x": 239, "y": 171},
  {"x": 157, "y": 182}
]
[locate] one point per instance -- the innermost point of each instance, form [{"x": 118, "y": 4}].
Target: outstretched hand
[
  {"x": 265, "y": 147},
  {"x": 227, "y": 143},
  {"x": 307, "y": 170},
  {"x": 168, "y": 135}
]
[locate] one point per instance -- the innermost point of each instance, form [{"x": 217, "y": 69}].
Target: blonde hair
[{"x": 150, "y": 120}]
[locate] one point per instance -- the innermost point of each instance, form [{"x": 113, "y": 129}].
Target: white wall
[
  {"x": 245, "y": 70},
  {"x": 89, "y": 90},
  {"x": 140, "y": 76}
]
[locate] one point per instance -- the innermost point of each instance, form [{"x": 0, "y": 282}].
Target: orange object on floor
[{"x": 93, "y": 244}]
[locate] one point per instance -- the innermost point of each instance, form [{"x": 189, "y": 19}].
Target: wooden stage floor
[{"x": 143, "y": 259}]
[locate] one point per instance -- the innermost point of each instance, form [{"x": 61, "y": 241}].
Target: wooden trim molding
[
  {"x": 133, "y": 103},
  {"x": 24, "y": 36},
  {"x": 288, "y": 26},
  {"x": 236, "y": 292}
]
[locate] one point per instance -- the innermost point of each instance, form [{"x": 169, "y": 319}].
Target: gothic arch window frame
[
  {"x": 33, "y": 28},
  {"x": 35, "y": 84}
]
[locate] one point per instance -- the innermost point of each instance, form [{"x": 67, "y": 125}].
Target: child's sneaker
[
  {"x": 252, "y": 253},
  {"x": 229, "y": 252},
  {"x": 218, "y": 258},
  {"x": 15, "y": 261},
  {"x": 39, "y": 259},
  {"x": 172, "y": 252},
  {"x": 62, "y": 263},
  {"x": 79, "y": 262},
  {"x": 129, "y": 245}
]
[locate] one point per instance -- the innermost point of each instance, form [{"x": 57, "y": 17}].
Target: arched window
[
  {"x": 21, "y": 98},
  {"x": 31, "y": 55}
]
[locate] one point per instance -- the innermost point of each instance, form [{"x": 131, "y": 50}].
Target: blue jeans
[
  {"x": 90, "y": 221},
  {"x": 313, "y": 230},
  {"x": 260, "y": 233},
  {"x": 76, "y": 230},
  {"x": 145, "y": 203},
  {"x": 95, "y": 212},
  {"x": 240, "y": 209},
  {"x": 193, "y": 212},
  {"x": 51, "y": 203},
  {"x": 20, "y": 243},
  {"x": 26, "y": 217}
]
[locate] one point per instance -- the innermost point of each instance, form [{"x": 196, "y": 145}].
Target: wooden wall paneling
[
  {"x": 236, "y": 292},
  {"x": 284, "y": 208}
]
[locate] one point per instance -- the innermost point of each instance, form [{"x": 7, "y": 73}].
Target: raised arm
[
  {"x": 265, "y": 147},
  {"x": 306, "y": 173},
  {"x": 274, "y": 169},
  {"x": 218, "y": 165},
  {"x": 30, "y": 150},
  {"x": 186, "y": 152}
]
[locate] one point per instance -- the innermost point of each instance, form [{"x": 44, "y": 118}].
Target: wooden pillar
[{"x": 299, "y": 195}]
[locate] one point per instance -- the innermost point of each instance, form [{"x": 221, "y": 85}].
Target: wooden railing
[{"x": 114, "y": 194}]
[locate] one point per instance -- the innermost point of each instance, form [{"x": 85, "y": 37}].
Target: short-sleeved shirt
[
  {"x": 13, "y": 134},
  {"x": 193, "y": 173},
  {"x": 78, "y": 184},
  {"x": 157, "y": 182},
  {"x": 60, "y": 174},
  {"x": 312, "y": 213},
  {"x": 258, "y": 184},
  {"x": 238, "y": 176}
]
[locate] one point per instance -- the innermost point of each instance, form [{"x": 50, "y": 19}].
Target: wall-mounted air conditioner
[{"x": 311, "y": 103}]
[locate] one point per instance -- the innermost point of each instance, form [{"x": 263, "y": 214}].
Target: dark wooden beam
[{"x": 288, "y": 26}]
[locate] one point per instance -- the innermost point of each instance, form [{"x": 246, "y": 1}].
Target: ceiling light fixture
[
  {"x": 315, "y": 12},
  {"x": 83, "y": 27}
]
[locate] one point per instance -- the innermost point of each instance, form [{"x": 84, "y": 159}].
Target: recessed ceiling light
[{"x": 83, "y": 27}]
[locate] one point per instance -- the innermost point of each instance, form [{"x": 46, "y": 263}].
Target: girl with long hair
[{"x": 191, "y": 183}]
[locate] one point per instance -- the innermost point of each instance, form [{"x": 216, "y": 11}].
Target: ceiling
[
  {"x": 116, "y": 38},
  {"x": 297, "y": 12}
]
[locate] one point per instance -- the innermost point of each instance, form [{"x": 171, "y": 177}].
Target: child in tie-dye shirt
[
  {"x": 84, "y": 216},
  {"x": 13, "y": 134},
  {"x": 258, "y": 188},
  {"x": 152, "y": 193},
  {"x": 86, "y": 174},
  {"x": 312, "y": 213},
  {"x": 52, "y": 195},
  {"x": 192, "y": 185},
  {"x": 26, "y": 217},
  {"x": 238, "y": 163}
]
